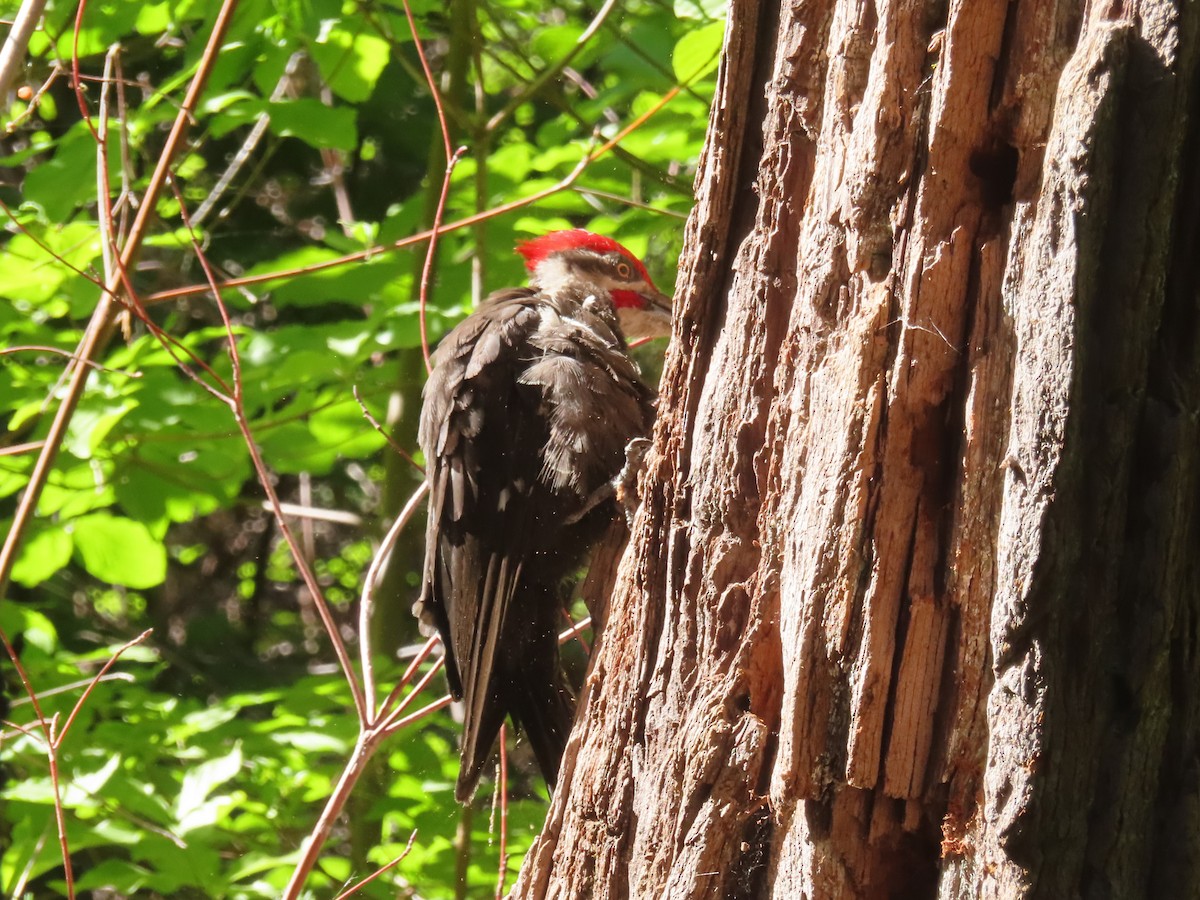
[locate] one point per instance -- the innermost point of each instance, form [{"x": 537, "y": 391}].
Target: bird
[{"x": 529, "y": 406}]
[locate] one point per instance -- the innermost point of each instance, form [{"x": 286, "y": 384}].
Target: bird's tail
[
  {"x": 539, "y": 701},
  {"x": 543, "y": 705},
  {"x": 478, "y": 740},
  {"x": 526, "y": 681}
]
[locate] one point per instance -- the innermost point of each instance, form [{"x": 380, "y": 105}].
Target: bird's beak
[{"x": 650, "y": 321}]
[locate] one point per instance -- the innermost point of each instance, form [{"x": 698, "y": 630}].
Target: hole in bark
[
  {"x": 750, "y": 868},
  {"x": 996, "y": 168}
]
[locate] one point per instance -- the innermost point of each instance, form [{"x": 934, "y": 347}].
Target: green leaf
[
  {"x": 698, "y": 52},
  {"x": 68, "y": 179},
  {"x": 34, "y": 627},
  {"x": 315, "y": 123},
  {"x": 700, "y": 9},
  {"x": 45, "y": 551},
  {"x": 312, "y": 741},
  {"x": 32, "y": 273},
  {"x": 191, "y": 807},
  {"x": 120, "y": 551},
  {"x": 114, "y": 874},
  {"x": 92, "y": 782},
  {"x": 350, "y": 63},
  {"x": 556, "y": 41},
  {"x": 81, "y": 487}
]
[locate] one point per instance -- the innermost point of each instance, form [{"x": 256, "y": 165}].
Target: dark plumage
[{"x": 527, "y": 413}]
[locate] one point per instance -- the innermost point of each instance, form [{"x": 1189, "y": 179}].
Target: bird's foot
[
  {"x": 598, "y": 496},
  {"x": 625, "y": 485}
]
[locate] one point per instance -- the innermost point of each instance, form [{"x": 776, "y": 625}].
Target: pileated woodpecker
[{"x": 530, "y": 405}]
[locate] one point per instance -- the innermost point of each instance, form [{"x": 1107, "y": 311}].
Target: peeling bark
[{"x": 912, "y": 604}]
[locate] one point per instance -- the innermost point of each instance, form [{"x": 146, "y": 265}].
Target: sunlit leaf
[
  {"x": 119, "y": 551},
  {"x": 698, "y": 52},
  {"x": 43, "y": 553}
]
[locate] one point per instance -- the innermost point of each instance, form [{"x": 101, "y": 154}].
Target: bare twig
[
  {"x": 75, "y": 685},
  {"x": 54, "y": 736},
  {"x": 12, "y": 54},
  {"x": 383, "y": 433},
  {"x": 381, "y": 870},
  {"x": 62, "y": 733},
  {"x": 57, "y": 351},
  {"x": 18, "y": 449},
  {"x": 629, "y": 201},
  {"x": 364, "y": 748},
  {"x": 431, "y": 251},
  {"x": 429, "y": 79},
  {"x": 47, "y": 727},
  {"x": 56, "y": 72},
  {"x": 422, "y": 654},
  {"x": 368, "y": 591},
  {"x": 502, "y": 790},
  {"x": 336, "y": 516},
  {"x": 261, "y": 122}
]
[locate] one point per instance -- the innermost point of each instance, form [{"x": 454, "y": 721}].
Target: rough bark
[{"x": 912, "y": 606}]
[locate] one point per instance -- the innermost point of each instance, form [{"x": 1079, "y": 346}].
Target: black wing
[{"x": 481, "y": 432}]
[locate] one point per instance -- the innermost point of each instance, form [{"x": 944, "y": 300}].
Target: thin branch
[
  {"x": 75, "y": 685},
  {"x": 261, "y": 122},
  {"x": 388, "y": 724},
  {"x": 400, "y": 724},
  {"x": 12, "y": 54},
  {"x": 364, "y": 747},
  {"x": 19, "y": 887},
  {"x": 109, "y": 248},
  {"x": 502, "y": 790},
  {"x": 431, "y": 251},
  {"x": 421, "y": 655},
  {"x": 629, "y": 201},
  {"x": 383, "y": 433},
  {"x": 381, "y": 870},
  {"x": 55, "y": 73},
  {"x": 299, "y": 511},
  {"x": 44, "y": 348},
  {"x": 550, "y": 72},
  {"x": 429, "y": 80},
  {"x": 18, "y": 449},
  {"x": 62, "y": 733},
  {"x": 47, "y": 727},
  {"x": 370, "y": 582}
]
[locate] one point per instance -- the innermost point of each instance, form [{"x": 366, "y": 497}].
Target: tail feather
[
  {"x": 543, "y": 706},
  {"x": 515, "y": 671},
  {"x": 478, "y": 743}
]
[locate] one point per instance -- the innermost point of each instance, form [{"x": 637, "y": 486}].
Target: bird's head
[{"x": 576, "y": 256}]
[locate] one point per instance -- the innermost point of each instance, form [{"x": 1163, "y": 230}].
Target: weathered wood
[{"x": 912, "y": 605}]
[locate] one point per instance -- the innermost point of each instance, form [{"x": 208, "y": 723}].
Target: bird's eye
[{"x": 624, "y": 270}]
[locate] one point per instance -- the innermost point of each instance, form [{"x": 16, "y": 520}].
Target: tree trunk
[{"x": 912, "y": 605}]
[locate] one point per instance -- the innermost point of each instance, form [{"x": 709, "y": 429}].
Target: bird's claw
[{"x": 625, "y": 485}]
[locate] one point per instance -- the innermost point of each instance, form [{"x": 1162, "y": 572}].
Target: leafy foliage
[{"x": 199, "y": 765}]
